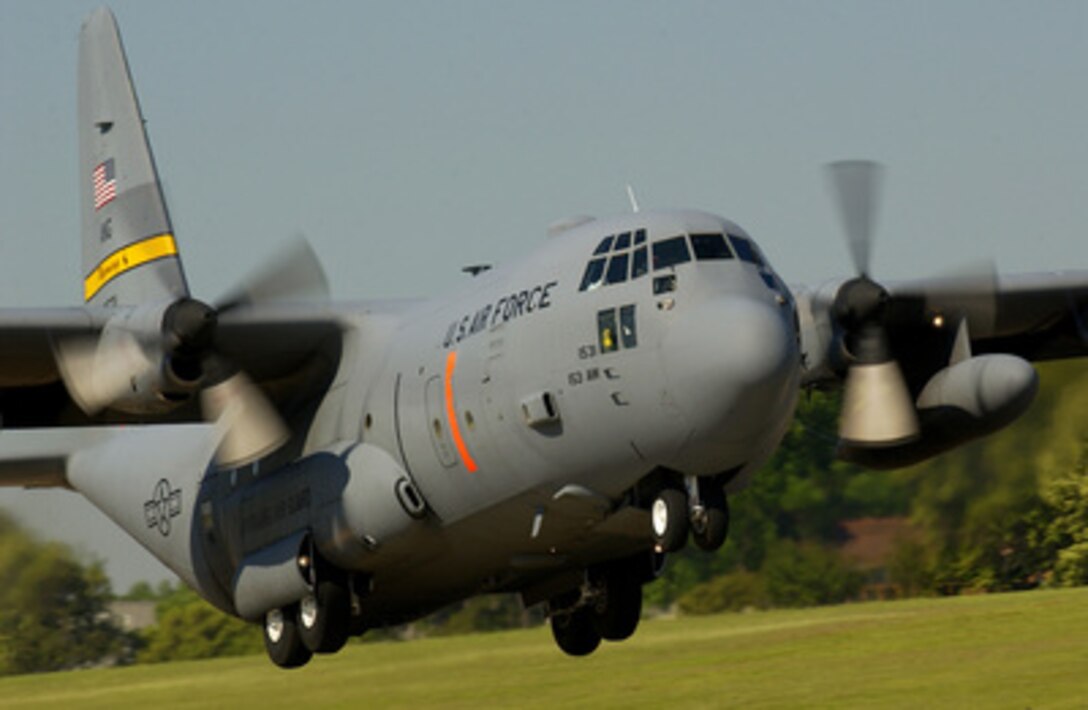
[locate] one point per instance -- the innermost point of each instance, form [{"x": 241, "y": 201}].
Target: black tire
[
  {"x": 324, "y": 618},
  {"x": 617, "y": 617},
  {"x": 282, "y": 640},
  {"x": 714, "y": 530},
  {"x": 669, "y": 520},
  {"x": 575, "y": 632}
]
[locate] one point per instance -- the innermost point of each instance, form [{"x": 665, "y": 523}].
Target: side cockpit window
[
  {"x": 746, "y": 250},
  {"x": 593, "y": 275},
  {"x": 710, "y": 246}
]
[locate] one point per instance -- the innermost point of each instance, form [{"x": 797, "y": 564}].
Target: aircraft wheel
[
  {"x": 574, "y": 630},
  {"x": 324, "y": 617},
  {"x": 670, "y": 520},
  {"x": 617, "y": 617},
  {"x": 712, "y": 529},
  {"x": 282, "y": 639}
]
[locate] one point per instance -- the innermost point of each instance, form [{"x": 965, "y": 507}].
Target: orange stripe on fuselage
[{"x": 451, "y": 416}]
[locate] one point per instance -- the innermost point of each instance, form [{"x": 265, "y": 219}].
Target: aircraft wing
[
  {"x": 1038, "y": 316},
  {"x": 287, "y": 350}
]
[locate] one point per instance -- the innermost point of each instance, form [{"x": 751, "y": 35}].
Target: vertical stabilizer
[{"x": 129, "y": 253}]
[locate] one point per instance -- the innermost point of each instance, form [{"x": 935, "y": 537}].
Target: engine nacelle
[
  {"x": 133, "y": 366},
  {"x": 965, "y": 401}
]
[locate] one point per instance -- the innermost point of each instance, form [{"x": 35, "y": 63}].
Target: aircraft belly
[{"x": 494, "y": 550}]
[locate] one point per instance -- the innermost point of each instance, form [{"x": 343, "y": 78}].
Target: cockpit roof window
[
  {"x": 604, "y": 246},
  {"x": 670, "y": 252},
  {"x": 623, "y": 240},
  {"x": 746, "y": 250},
  {"x": 617, "y": 269},
  {"x": 710, "y": 246},
  {"x": 640, "y": 236},
  {"x": 592, "y": 277}
]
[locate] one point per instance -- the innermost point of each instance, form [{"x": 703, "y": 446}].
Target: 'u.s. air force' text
[{"x": 505, "y": 309}]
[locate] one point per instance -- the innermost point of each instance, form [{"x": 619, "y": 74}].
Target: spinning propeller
[
  {"x": 152, "y": 359},
  {"x": 877, "y": 409}
]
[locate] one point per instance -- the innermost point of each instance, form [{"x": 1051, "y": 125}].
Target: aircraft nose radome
[{"x": 730, "y": 362}]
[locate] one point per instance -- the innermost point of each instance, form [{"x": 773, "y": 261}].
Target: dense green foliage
[
  {"x": 1008, "y": 512},
  {"x": 188, "y": 628},
  {"x": 52, "y": 608},
  {"x": 1011, "y": 512}
]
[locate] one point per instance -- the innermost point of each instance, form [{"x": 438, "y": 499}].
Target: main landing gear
[
  {"x": 700, "y": 509},
  {"x": 319, "y": 623},
  {"x": 607, "y": 606}
]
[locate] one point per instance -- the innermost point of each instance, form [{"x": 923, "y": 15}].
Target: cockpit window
[
  {"x": 669, "y": 252},
  {"x": 710, "y": 246},
  {"x": 625, "y": 255},
  {"x": 592, "y": 277},
  {"x": 617, "y": 269},
  {"x": 639, "y": 263},
  {"x": 746, "y": 250}
]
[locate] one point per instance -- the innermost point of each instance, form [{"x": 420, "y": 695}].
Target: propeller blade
[
  {"x": 98, "y": 372},
  {"x": 252, "y": 427},
  {"x": 293, "y": 274},
  {"x": 856, "y": 184}
]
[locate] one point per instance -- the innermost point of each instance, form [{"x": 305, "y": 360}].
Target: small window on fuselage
[
  {"x": 604, "y": 246},
  {"x": 670, "y": 252},
  {"x": 623, "y": 241},
  {"x": 628, "y": 328},
  {"x": 606, "y": 330},
  {"x": 640, "y": 236},
  {"x": 710, "y": 246}
]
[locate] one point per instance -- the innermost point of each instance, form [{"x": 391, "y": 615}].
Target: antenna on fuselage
[{"x": 631, "y": 197}]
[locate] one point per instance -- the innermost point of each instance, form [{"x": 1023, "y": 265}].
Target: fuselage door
[{"x": 436, "y": 423}]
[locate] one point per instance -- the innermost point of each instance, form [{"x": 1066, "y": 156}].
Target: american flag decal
[{"x": 105, "y": 184}]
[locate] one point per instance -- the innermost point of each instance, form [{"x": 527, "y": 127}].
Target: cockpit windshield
[
  {"x": 670, "y": 252},
  {"x": 710, "y": 246}
]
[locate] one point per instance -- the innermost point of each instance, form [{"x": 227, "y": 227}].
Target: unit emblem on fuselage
[{"x": 165, "y": 504}]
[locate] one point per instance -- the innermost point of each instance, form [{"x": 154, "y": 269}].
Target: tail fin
[{"x": 129, "y": 253}]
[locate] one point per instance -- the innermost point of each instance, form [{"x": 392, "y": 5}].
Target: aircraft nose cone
[{"x": 732, "y": 364}]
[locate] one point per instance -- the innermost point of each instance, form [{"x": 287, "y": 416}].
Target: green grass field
[{"x": 1027, "y": 650}]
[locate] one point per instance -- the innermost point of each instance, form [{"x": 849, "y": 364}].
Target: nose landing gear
[{"x": 702, "y": 509}]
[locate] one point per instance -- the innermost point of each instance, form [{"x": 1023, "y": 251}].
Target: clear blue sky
[{"x": 408, "y": 138}]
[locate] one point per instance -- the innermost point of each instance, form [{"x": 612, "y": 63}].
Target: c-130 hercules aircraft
[{"x": 554, "y": 428}]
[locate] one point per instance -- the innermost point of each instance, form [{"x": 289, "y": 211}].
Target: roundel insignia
[{"x": 164, "y": 505}]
